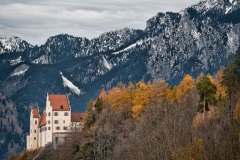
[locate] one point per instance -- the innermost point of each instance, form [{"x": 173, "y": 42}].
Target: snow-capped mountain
[
  {"x": 13, "y": 44},
  {"x": 200, "y": 38}
]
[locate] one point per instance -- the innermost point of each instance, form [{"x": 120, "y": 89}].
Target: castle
[{"x": 54, "y": 124}]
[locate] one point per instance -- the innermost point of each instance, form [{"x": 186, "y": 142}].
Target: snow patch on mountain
[
  {"x": 106, "y": 63},
  {"x": 16, "y": 61},
  {"x": 21, "y": 70},
  {"x": 228, "y": 9},
  {"x": 41, "y": 60},
  {"x": 70, "y": 85}
]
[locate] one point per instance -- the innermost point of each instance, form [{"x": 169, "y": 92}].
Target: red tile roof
[
  {"x": 59, "y": 102},
  {"x": 42, "y": 120},
  {"x": 102, "y": 94},
  {"x": 35, "y": 113},
  {"x": 77, "y": 117}
]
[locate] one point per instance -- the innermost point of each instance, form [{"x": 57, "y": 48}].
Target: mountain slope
[
  {"x": 11, "y": 130},
  {"x": 200, "y": 38}
]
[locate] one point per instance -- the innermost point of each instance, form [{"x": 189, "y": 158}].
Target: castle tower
[
  {"x": 34, "y": 122},
  {"x": 58, "y": 116}
]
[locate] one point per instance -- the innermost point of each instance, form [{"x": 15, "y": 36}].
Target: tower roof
[
  {"x": 35, "y": 113},
  {"x": 42, "y": 120},
  {"x": 59, "y": 102},
  {"x": 102, "y": 94}
]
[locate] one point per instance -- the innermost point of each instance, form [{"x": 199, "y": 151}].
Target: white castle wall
[
  {"x": 49, "y": 120},
  {"x": 33, "y": 131}
]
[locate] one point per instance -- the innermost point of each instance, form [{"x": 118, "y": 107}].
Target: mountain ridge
[{"x": 200, "y": 38}]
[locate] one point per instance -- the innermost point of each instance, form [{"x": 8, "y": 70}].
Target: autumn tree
[
  {"x": 207, "y": 91},
  {"x": 185, "y": 91},
  {"x": 231, "y": 81}
]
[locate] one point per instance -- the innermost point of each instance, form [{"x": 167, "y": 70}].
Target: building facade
[
  {"x": 32, "y": 138},
  {"x": 54, "y": 124}
]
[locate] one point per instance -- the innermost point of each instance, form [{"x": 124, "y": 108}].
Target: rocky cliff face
[
  {"x": 200, "y": 38},
  {"x": 11, "y": 131},
  {"x": 10, "y": 44}
]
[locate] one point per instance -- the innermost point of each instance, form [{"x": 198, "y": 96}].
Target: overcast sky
[{"x": 36, "y": 20}]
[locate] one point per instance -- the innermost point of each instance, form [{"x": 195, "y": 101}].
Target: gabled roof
[
  {"x": 77, "y": 117},
  {"x": 102, "y": 94},
  {"x": 35, "y": 113},
  {"x": 42, "y": 120},
  {"x": 59, "y": 102}
]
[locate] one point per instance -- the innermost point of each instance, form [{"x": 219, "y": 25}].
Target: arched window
[
  {"x": 66, "y": 114},
  {"x": 49, "y": 114},
  {"x": 55, "y": 121},
  {"x": 65, "y": 128},
  {"x": 55, "y": 113},
  {"x": 57, "y": 128}
]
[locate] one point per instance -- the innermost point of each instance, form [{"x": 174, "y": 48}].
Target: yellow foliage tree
[
  {"x": 137, "y": 111},
  {"x": 194, "y": 151},
  {"x": 185, "y": 90},
  {"x": 118, "y": 97},
  {"x": 211, "y": 79},
  {"x": 163, "y": 92},
  {"x": 237, "y": 111},
  {"x": 172, "y": 95},
  {"x": 221, "y": 91},
  {"x": 142, "y": 95},
  {"x": 141, "y": 98}
]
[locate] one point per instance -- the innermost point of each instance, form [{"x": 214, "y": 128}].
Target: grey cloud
[{"x": 35, "y": 21}]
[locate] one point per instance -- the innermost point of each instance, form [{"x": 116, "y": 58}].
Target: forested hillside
[{"x": 197, "y": 119}]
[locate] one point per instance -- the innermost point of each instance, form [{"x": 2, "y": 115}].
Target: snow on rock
[
  {"x": 21, "y": 70},
  {"x": 16, "y": 61},
  {"x": 228, "y": 9},
  {"x": 70, "y": 85},
  {"x": 106, "y": 64},
  {"x": 10, "y": 44},
  {"x": 129, "y": 47},
  {"x": 41, "y": 60}
]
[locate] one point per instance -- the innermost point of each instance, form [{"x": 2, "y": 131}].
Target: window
[
  {"x": 56, "y": 139},
  {"x": 35, "y": 121},
  {"x": 63, "y": 121},
  {"x": 35, "y": 131},
  {"x": 57, "y": 128},
  {"x": 61, "y": 106},
  {"x": 66, "y": 114},
  {"x": 55, "y": 121},
  {"x": 49, "y": 121},
  {"x": 34, "y": 138},
  {"x": 49, "y": 114},
  {"x": 65, "y": 128},
  {"x": 55, "y": 113},
  {"x": 49, "y": 128}
]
